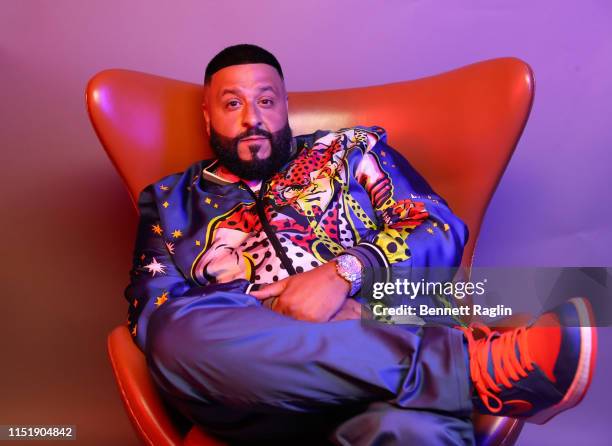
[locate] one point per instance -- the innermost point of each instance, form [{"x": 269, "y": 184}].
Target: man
[{"x": 244, "y": 272}]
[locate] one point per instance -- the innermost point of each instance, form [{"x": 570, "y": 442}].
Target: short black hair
[{"x": 241, "y": 54}]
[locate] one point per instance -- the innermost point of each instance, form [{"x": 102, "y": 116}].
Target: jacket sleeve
[
  {"x": 414, "y": 226},
  {"x": 154, "y": 277}
]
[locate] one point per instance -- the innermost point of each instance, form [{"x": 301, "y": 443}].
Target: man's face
[{"x": 245, "y": 110}]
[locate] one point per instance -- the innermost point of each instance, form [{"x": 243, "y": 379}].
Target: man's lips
[{"x": 253, "y": 138}]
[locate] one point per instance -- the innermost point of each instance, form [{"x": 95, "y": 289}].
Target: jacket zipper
[{"x": 278, "y": 248}]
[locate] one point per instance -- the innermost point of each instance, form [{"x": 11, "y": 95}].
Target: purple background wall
[{"x": 68, "y": 226}]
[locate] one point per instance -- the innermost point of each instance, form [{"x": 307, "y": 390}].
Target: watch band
[{"x": 350, "y": 268}]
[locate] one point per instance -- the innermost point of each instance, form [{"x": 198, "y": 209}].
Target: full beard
[{"x": 226, "y": 150}]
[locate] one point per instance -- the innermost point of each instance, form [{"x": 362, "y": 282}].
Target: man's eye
[
  {"x": 233, "y": 104},
  {"x": 266, "y": 102}
]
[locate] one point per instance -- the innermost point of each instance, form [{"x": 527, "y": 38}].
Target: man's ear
[
  {"x": 205, "y": 112},
  {"x": 206, "y": 117}
]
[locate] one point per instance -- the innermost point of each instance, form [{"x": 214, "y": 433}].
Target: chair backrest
[{"x": 458, "y": 129}]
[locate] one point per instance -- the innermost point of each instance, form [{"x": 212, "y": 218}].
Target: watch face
[{"x": 349, "y": 267}]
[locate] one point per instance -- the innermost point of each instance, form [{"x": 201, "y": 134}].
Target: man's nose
[{"x": 250, "y": 116}]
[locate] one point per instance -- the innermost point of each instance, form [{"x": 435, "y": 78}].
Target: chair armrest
[{"x": 138, "y": 392}]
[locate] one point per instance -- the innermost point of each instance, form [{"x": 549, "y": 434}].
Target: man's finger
[{"x": 270, "y": 290}]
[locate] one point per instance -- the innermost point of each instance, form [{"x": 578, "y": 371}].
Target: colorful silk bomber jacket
[{"x": 343, "y": 192}]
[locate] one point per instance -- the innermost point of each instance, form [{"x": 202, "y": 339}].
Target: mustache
[{"x": 254, "y": 131}]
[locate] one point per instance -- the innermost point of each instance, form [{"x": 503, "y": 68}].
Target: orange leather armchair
[{"x": 458, "y": 129}]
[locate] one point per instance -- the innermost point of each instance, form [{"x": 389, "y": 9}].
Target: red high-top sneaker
[{"x": 538, "y": 371}]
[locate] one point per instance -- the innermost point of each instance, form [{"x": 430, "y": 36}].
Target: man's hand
[
  {"x": 351, "y": 309},
  {"x": 315, "y": 295}
]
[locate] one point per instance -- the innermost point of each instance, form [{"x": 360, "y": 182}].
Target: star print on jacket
[{"x": 155, "y": 267}]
